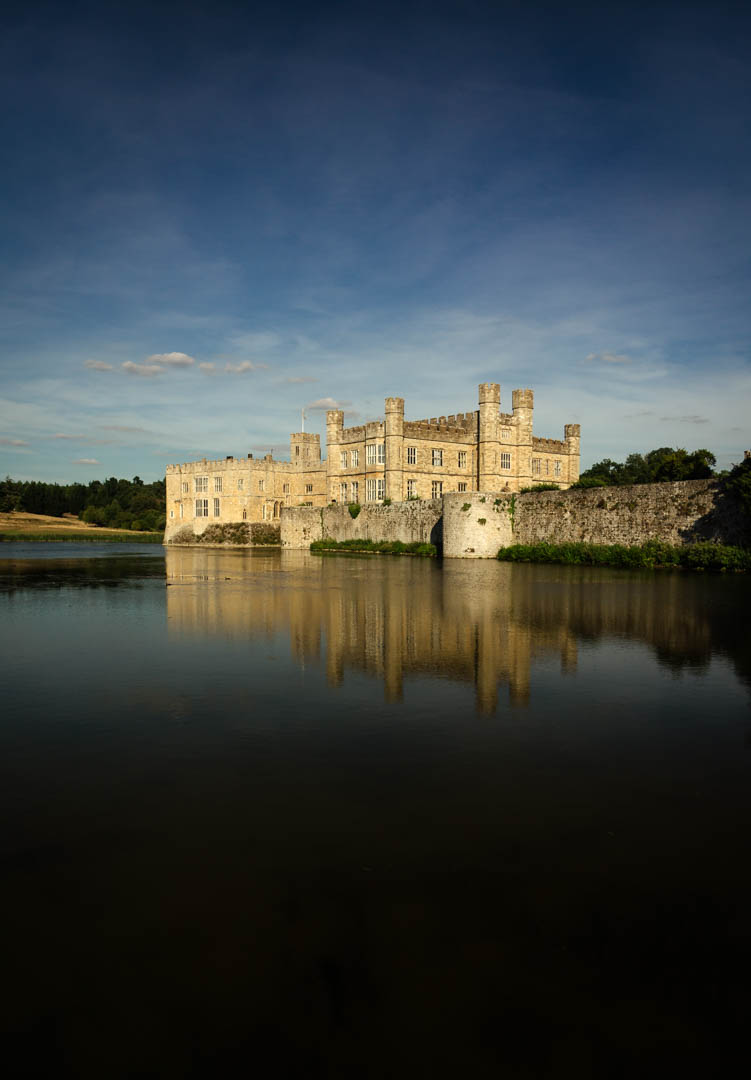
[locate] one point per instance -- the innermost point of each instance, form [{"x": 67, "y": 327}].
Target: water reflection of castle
[
  {"x": 392, "y": 618},
  {"x": 480, "y": 622}
]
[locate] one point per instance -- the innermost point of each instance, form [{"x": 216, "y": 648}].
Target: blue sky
[{"x": 214, "y": 215}]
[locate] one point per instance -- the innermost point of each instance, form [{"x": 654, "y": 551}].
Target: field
[{"x": 19, "y": 526}]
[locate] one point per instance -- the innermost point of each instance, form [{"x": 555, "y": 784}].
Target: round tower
[
  {"x": 394, "y": 428},
  {"x": 572, "y": 438},
  {"x": 488, "y": 437}
]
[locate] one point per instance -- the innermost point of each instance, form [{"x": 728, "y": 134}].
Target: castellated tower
[
  {"x": 305, "y": 449},
  {"x": 572, "y": 438},
  {"x": 523, "y": 403},
  {"x": 488, "y": 437},
  {"x": 394, "y": 428}
]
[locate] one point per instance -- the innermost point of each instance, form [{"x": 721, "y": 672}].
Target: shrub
[
  {"x": 467, "y": 506},
  {"x": 648, "y": 556},
  {"x": 354, "y": 509},
  {"x": 385, "y": 547},
  {"x": 387, "y": 501},
  {"x": 540, "y": 487},
  {"x": 481, "y": 521}
]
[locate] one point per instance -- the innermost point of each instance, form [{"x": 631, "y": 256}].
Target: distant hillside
[{"x": 113, "y": 503}]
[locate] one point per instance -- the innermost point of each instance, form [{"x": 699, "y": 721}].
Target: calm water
[{"x": 315, "y": 817}]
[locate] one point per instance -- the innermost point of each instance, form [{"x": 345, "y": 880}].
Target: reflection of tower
[{"x": 394, "y": 440}]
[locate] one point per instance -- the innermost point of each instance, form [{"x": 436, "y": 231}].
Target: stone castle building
[{"x": 394, "y": 458}]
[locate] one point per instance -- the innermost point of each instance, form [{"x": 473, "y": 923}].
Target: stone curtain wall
[
  {"x": 410, "y": 522},
  {"x": 679, "y": 513},
  {"x": 474, "y": 525}
]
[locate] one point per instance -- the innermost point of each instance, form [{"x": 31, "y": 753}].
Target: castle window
[
  {"x": 436, "y": 488},
  {"x": 240, "y": 483},
  {"x": 536, "y": 466},
  {"x": 505, "y": 461},
  {"x": 260, "y": 485},
  {"x": 462, "y": 459},
  {"x": 285, "y": 489},
  {"x": 263, "y": 512},
  {"x": 462, "y": 487},
  {"x": 245, "y": 515},
  {"x": 216, "y": 508},
  {"x": 202, "y": 507},
  {"x": 438, "y": 457},
  {"x": 343, "y": 492},
  {"x": 343, "y": 459},
  {"x": 217, "y": 483},
  {"x": 355, "y": 490},
  {"x": 411, "y": 455},
  {"x": 375, "y": 489},
  {"x": 181, "y": 509},
  {"x": 309, "y": 490},
  {"x": 354, "y": 458},
  {"x": 557, "y": 469},
  {"x": 505, "y": 433},
  {"x": 375, "y": 453},
  {"x": 412, "y": 487},
  {"x": 297, "y": 451},
  {"x": 547, "y": 467},
  {"x": 202, "y": 483},
  {"x": 172, "y": 513},
  {"x": 186, "y": 487}
]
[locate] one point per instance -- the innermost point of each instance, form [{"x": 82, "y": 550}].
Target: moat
[{"x": 370, "y": 816}]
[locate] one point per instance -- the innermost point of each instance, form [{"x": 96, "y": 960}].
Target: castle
[{"x": 396, "y": 459}]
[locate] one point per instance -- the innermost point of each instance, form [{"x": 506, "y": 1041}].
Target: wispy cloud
[
  {"x": 321, "y": 404},
  {"x": 146, "y": 371},
  {"x": 685, "y": 419},
  {"x": 86, "y": 461},
  {"x": 208, "y": 366},
  {"x": 121, "y": 427},
  {"x": 607, "y": 358},
  {"x": 12, "y": 442},
  {"x": 98, "y": 365},
  {"x": 171, "y": 359},
  {"x": 243, "y": 366},
  {"x": 294, "y": 379},
  {"x": 73, "y": 438}
]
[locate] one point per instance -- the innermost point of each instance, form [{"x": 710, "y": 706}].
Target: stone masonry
[{"x": 394, "y": 458}]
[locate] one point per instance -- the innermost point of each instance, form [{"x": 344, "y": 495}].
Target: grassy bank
[
  {"x": 82, "y": 536},
  {"x": 651, "y": 555},
  {"x": 375, "y": 547}
]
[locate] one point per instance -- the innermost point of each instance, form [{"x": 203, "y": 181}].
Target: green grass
[
  {"x": 651, "y": 555},
  {"x": 375, "y": 547},
  {"x": 59, "y": 536}
]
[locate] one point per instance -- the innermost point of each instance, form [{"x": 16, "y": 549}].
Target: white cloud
[
  {"x": 86, "y": 461},
  {"x": 12, "y": 442},
  {"x": 208, "y": 366},
  {"x": 172, "y": 359},
  {"x": 244, "y": 365},
  {"x": 97, "y": 365},
  {"x": 292, "y": 379},
  {"x": 326, "y": 403},
  {"x": 146, "y": 371}
]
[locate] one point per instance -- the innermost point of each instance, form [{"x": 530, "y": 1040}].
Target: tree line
[
  {"x": 655, "y": 467},
  {"x": 116, "y": 503}
]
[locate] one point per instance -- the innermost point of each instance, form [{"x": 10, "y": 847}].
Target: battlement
[
  {"x": 550, "y": 446},
  {"x": 490, "y": 393},
  {"x": 395, "y": 405},
  {"x": 572, "y": 431},
  {"x": 522, "y": 399}
]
